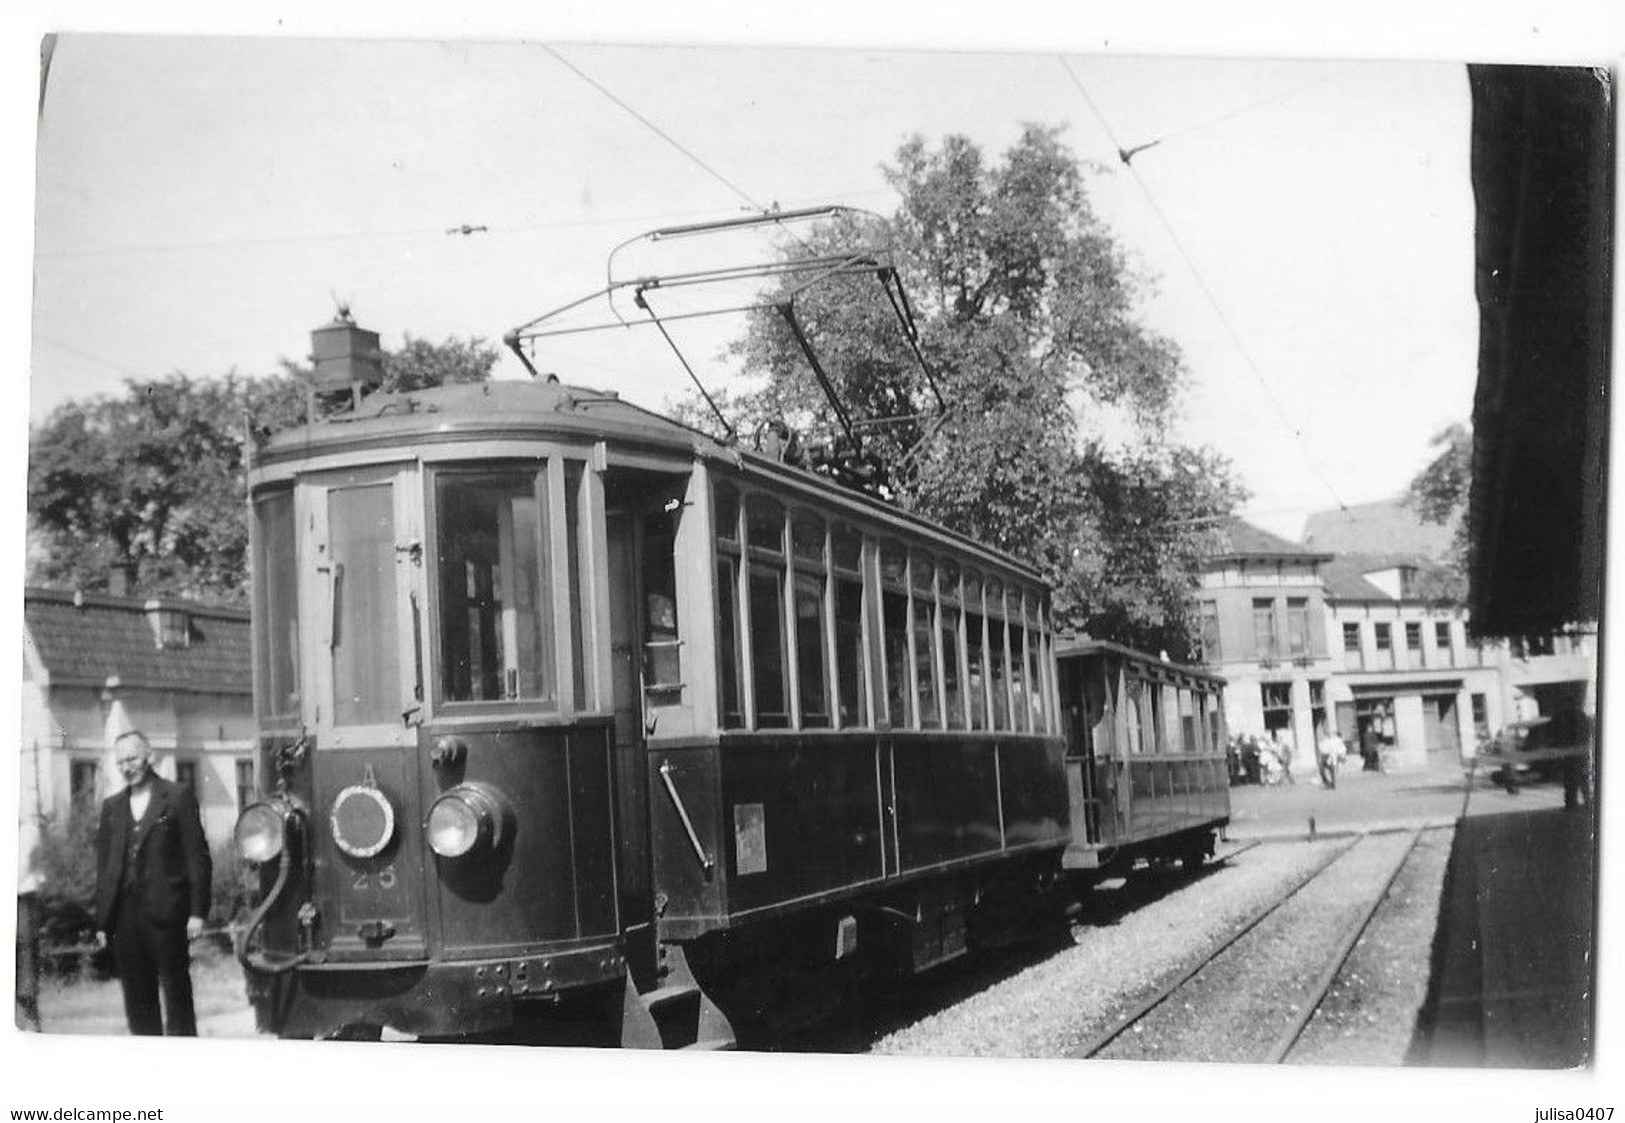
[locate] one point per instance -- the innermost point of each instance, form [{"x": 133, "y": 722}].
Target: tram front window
[{"x": 496, "y": 641}]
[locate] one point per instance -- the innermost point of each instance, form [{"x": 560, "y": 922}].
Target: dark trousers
[
  {"x": 28, "y": 922},
  {"x": 149, "y": 957}
]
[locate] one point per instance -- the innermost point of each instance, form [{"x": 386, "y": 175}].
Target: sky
[
  {"x": 199, "y": 205},
  {"x": 1303, "y": 229}
]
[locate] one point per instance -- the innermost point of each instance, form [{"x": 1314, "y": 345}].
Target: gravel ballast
[{"x": 1055, "y": 1007}]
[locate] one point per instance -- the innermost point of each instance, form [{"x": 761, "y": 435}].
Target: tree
[
  {"x": 1438, "y": 494},
  {"x": 152, "y": 482},
  {"x": 1027, "y": 311}
]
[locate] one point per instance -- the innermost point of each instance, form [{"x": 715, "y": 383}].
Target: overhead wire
[
  {"x": 656, "y": 129},
  {"x": 1201, "y": 281}
]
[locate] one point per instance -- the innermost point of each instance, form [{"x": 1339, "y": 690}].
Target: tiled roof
[
  {"x": 1238, "y": 538},
  {"x": 1344, "y": 575},
  {"x": 1386, "y": 527},
  {"x": 89, "y": 637}
]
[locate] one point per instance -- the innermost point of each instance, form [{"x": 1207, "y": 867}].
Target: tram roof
[
  {"x": 499, "y": 409},
  {"x": 1080, "y": 648}
]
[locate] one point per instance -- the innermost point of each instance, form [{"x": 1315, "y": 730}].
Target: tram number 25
[{"x": 375, "y": 879}]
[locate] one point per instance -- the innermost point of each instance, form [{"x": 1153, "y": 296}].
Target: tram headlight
[
  {"x": 260, "y": 835},
  {"x": 465, "y": 818}
]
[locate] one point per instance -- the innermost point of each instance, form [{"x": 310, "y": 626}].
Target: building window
[
  {"x": 1385, "y": 637},
  {"x": 1277, "y": 699},
  {"x": 1297, "y": 626},
  {"x": 1210, "y": 632},
  {"x": 1441, "y": 635},
  {"x": 246, "y": 787},
  {"x": 1266, "y": 641},
  {"x": 1351, "y": 638},
  {"x": 1481, "y": 716},
  {"x": 1413, "y": 638},
  {"x": 186, "y": 775}
]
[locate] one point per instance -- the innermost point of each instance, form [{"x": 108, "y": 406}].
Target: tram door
[
  {"x": 1080, "y": 709},
  {"x": 639, "y": 522}
]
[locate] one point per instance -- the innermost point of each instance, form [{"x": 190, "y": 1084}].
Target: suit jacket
[{"x": 171, "y": 878}]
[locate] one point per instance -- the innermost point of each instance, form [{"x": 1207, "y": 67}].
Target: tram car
[
  {"x": 1147, "y": 776},
  {"x": 570, "y": 715}
]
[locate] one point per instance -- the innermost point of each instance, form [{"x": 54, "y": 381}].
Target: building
[
  {"x": 1304, "y": 637},
  {"x": 94, "y": 665},
  {"x": 1409, "y": 688},
  {"x": 1262, "y": 606},
  {"x": 1386, "y": 526}
]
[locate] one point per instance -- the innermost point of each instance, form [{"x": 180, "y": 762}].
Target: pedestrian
[
  {"x": 1283, "y": 750},
  {"x": 30, "y": 879},
  {"x": 1329, "y": 753},
  {"x": 152, "y": 890}
]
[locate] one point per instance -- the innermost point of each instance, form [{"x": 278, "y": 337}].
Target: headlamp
[
  {"x": 260, "y": 834},
  {"x": 464, "y": 819}
]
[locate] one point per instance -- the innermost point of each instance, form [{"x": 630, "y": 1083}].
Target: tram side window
[
  {"x": 925, "y": 644},
  {"x": 1136, "y": 731},
  {"x": 812, "y": 674},
  {"x": 276, "y": 605},
  {"x": 733, "y": 715},
  {"x": 574, "y": 472},
  {"x": 1020, "y": 713},
  {"x": 729, "y": 649},
  {"x": 894, "y": 628},
  {"x": 770, "y": 670},
  {"x": 496, "y": 639},
  {"x": 953, "y": 693},
  {"x": 847, "y": 555},
  {"x": 997, "y": 656},
  {"x": 1035, "y": 664},
  {"x": 975, "y": 652},
  {"x": 662, "y": 666}
]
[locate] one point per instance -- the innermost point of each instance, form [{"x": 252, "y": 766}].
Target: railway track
[{"x": 1244, "y": 999}]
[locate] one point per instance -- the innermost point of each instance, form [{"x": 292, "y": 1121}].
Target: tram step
[{"x": 671, "y": 992}]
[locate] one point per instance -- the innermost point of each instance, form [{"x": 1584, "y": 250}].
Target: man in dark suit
[{"x": 152, "y": 890}]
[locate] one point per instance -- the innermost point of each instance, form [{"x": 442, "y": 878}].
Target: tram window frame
[
  {"x": 1134, "y": 714},
  {"x": 1037, "y": 700},
  {"x": 809, "y": 588},
  {"x": 543, "y": 645},
  {"x": 276, "y": 605},
  {"x": 923, "y": 632},
  {"x": 1016, "y": 650},
  {"x": 766, "y": 579},
  {"x": 578, "y": 559},
  {"x": 1189, "y": 735},
  {"x": 362, "y": 679},
  {"x": 950, "y": 619},
  {"x": 848, "y": 616},
  {"x": 727, "y": 509},
  {"x": 998, "y": 656},
  {"x": 895, "y": 639},
  {"x": 976, "y": 668}
]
